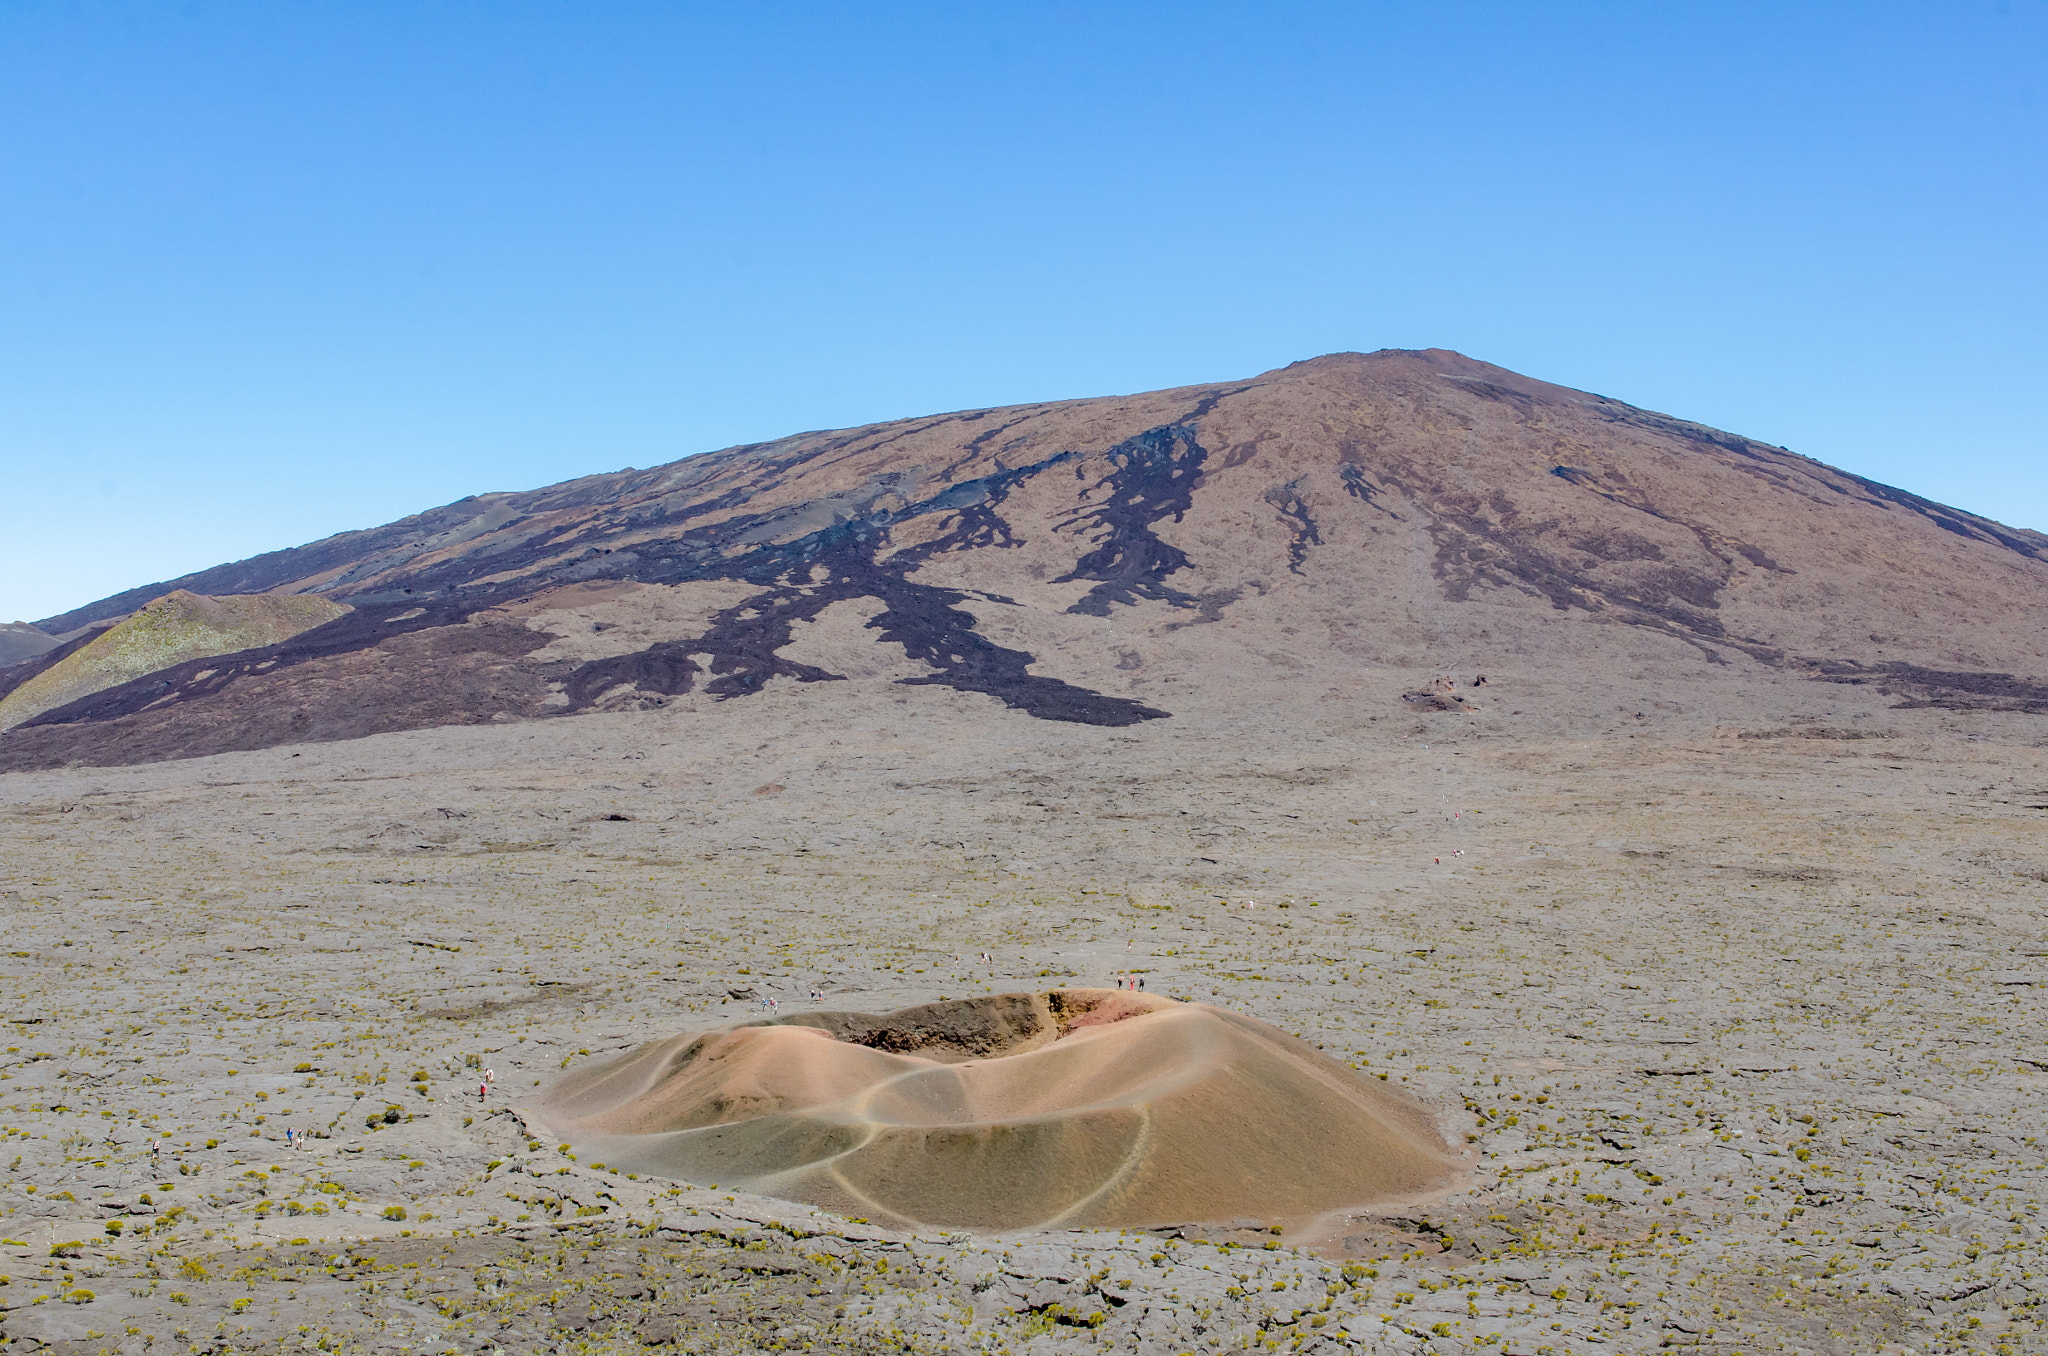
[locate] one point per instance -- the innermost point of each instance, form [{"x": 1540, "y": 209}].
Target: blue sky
[{"x": 273, "y": 271}]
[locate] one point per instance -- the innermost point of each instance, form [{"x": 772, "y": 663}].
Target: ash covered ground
[{"x": 1739, "y": 1024}]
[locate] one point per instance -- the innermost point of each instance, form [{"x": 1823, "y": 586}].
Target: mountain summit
[{"x": 1365, "y": 536}]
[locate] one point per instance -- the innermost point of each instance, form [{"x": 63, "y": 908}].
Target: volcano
[
  {"x": 1392, "y": 532},
  {"x": 1077, "y": 1107}
]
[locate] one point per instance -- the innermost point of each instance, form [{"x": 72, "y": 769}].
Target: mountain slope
[
  {"x": 170, "y": 630},
  {"x": 1372, "y": 529},
  {"x": 19, "y": 641}
]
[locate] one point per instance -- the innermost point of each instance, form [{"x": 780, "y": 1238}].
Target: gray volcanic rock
[
  {"x": 1121, "y": 560},
  {"x": 19, "y": 641}
]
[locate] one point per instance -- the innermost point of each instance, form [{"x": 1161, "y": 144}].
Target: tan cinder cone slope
[
  {"x": 1079, "y": 1107},
  {"x": 1368, "y": 525},
  {"x": 166, "y": 632}
]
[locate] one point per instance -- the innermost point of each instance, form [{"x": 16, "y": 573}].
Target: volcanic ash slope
[{"x": 1079, "y": 1107}]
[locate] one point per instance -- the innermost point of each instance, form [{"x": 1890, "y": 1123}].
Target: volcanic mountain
[{"x": 1388, "y": 535}]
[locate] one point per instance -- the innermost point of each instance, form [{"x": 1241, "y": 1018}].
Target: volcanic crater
[{"x": 1070, "y": 1108}]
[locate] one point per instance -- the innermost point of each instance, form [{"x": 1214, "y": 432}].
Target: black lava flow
[
  {"x": 839, "y": 564},
  {"x": 1286, "y": 500},
  {"x": 1150, "y": 476}
]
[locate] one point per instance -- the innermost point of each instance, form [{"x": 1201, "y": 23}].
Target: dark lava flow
[
  {"x": 799, "y": 579},
  {"x": 1150, "y": 476},
  {"x": 1287, "y": 502},
  {"x": 745, "y": 642}
]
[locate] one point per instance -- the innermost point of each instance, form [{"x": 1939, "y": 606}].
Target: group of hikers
[
  {"x": 772, "y": 1004},
  {"x": 294, "y": 1138}
]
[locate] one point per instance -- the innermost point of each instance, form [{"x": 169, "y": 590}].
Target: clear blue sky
[{"x": 270, "y": 271}]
